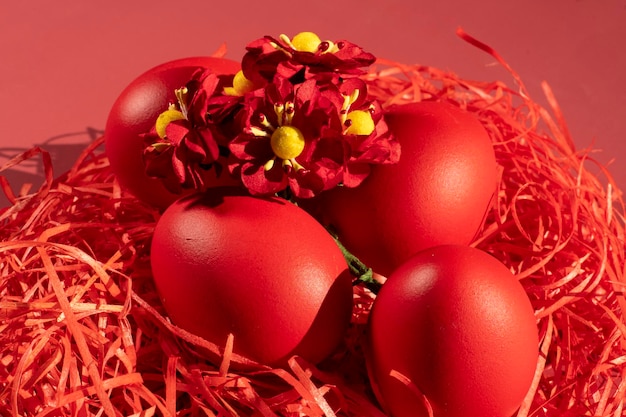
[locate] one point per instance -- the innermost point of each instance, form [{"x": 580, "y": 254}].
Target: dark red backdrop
[{"x": 63, "y": 63}]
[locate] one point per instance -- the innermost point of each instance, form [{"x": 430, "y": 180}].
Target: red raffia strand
[{"x": 82, "y": 332}]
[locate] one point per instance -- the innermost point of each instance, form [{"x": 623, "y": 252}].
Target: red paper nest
[{"x": 82, "y": 332}]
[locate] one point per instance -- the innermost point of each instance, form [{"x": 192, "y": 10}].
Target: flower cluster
[{"x": 296, "y": 116}]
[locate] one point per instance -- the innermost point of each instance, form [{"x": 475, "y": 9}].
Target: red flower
[
  {"x": 303, "y": 56},
  {"x": 309, "y": 137},
  {"x": 280, "y": 125},
  {"x": 183, "y": 143}
]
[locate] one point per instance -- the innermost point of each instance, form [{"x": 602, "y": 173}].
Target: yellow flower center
[
  {"x": 287, "y": 142},
  {"x": 241, "y": 85},
  {"x": 306, "y": 42},
  {"x": 172, "y": 113},
  {"x": 359, "y": 122},
  {"x": 165, "y": 119}
]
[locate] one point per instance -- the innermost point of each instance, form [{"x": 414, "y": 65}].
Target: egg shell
[
  {"x": 260, "y": 268},
  {"x": 438, "y": 193},
  {"x": 461, "y": 328},
  {"x": 135, "y": 111}
]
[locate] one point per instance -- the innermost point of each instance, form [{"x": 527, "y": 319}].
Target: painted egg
[
  {"x": 438, "y": 193},
  {"x": 135, "y": 112},
  {"x": 452, "y": 332},
  {"x": 260, "y": 268}
]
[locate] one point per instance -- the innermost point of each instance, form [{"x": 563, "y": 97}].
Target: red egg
[
  {"x": 260, "y": 268},
  {"x": 135, "y": 112},
  {"x": 459, "y": 326},
  {"x": 438, "y": 193}
]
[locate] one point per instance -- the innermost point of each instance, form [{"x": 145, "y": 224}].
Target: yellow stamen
[
  {"x": 289, "y": 112},
  {"x": 258, "y": 132},
  {"x": 331, "y": 47},
  {"x": 265, "y": 123},
  {"x": 279, "y": 109},
  {"x": 161, "y": 146},
  {"x": 278, "y": 47},
  {"x": 347, "y": 102},
  {"x": 293, "y": 163},
  {"x": 181, "y": 97},
  {"x": 269, "y": 164},
  {"x": 353, "y": 96}
]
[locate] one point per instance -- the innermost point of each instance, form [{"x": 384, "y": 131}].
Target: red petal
[
  {"x": 305, "y": 184},
  {"x": 261, "y": 182},
  {"x": 355, "y": 173},
  {"x": 248, "y": 148},
  {"x": 209, "y": 145}
]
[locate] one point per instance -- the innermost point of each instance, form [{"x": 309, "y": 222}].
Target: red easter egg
[
  {"x": 454, "y": 331},
  {"x": 260, "y": 268},
  {"x": 135, "y": 112},
  {"x": 438, "y": 193}
]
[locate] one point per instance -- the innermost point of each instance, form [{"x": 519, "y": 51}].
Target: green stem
[{"x": 364, "y": 275}]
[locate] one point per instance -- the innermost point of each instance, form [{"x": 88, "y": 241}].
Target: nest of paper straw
[{"x": 82, "y": 331}]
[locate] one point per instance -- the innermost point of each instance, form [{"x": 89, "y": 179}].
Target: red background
[{"x": 62, "y": 64}]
